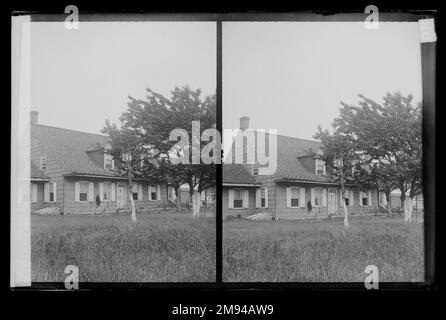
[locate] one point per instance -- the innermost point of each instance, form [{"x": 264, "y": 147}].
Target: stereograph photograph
[
  {"x": 104, "y": 197},
  {"x": 149, "y": 151},
  {"x": 344, "y": 187}
]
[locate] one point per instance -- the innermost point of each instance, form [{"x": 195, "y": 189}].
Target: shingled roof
[
  {"x": 289, "y": 150},
  {"x": 68, "y": 148},
  {"x": 36, "y": 173},
  {"x": 237, "y": 174}
]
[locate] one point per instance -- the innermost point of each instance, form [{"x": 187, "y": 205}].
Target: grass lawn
[
  {"x": 322, "y": 251},
  {"x": 166, "y": 247}
]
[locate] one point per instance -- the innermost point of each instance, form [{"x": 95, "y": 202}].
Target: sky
[
  {"x": 292, "y": 76},
  {"x": 80, "y": 78}
]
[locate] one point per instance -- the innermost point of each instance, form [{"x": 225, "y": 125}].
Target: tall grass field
[
  {"x": 165, "y": 247},
  {"x": 322, "y": 251}
]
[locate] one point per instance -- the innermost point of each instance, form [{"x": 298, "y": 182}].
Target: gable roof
[
  {"x": 68, "y": 148},
  {"x": 237, "y": 174},
  {"x": 289, "y": 150},
  {"x": 36, "y": 173},
  {"x": 290, "y": 153}
]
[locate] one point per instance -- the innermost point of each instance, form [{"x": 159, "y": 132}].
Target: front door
[
  {"x": 331, "y": 202},
  {"x": 120, "y": 198}
]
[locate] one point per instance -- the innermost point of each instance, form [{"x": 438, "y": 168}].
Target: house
[
  {"x": 73, "y": 171},
  {"x": 395, "y": 200},
  {"x": 299, "y": 178},
  {"x": 239, "y": 190},
  {"x": 38, "y": 182}
]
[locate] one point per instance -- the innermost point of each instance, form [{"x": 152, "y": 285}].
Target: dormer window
[
  {"x": 320, "y": 167},
  {"x": 43, "y": 162},
  {"x": 109, "y": 163}
]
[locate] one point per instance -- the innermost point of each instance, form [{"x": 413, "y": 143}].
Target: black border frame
[{"x": 429, "y": 79}]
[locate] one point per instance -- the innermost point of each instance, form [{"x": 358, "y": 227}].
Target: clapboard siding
[
  {"x": 242, "y": 211},
  {"x": 71, "y": 206}
]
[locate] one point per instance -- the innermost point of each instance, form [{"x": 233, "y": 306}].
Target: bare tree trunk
[
  {"x": 408, "y": 209},
  {"x": 389, "y": 205},
  {"x": 132, "y": 202},
  {"x": 178, "y": 201},
  {"x": 132, "y": 205},
  {"x": 346, "y": 217},
  {"x": 196, "y": 203},
  {"x": 346, "y": 222}
]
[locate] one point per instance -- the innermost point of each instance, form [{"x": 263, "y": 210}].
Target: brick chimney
[
  {"x": 244, "y": 123},
  {"x": 34, "y": 117}
]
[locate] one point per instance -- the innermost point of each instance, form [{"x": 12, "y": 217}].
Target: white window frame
[
  {"x": 88, "y": 190},
  {"x": 298, "y": 197},
  {"x": 112, "y": 161},
  {"x": 365, "y": 194},
  {"x": 319, "y": 162},
  {"x": 242, "y": 196},
  {"x": 52, "y": 188},
  {"x": 157, "y": 190}
]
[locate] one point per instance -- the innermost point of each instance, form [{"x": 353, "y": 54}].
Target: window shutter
[
  {"x": 302, "y": 197},
  {"x": 246, "y": 199},
  {"x": 139, "y": 191},
  {"x": 324, "y": 197},
  {"x": 34, "y": 192},
  {"x": 46, "y": 192},
  {"x": 352, "y": 198},
  {"x": 231, "y": 199},
  {"x": 266, "y": 197},
  {"x": 91, "y": 191},
  {"x": 101, "y": 191},
  {"x": 312, "y": 197},
  {"x": 369, "y": 201},
  {"x": 258, "y": 195},
  {"x": 288, "y": 197},
  {"x": 55, "y": 191},
  {"x": 76, "y": 191},
  {"x": 149, "y": 192},
  {"x": 360, "y": 198},
  {"x": 158, "y": 192},
  {"x": 113, "y": 192}
]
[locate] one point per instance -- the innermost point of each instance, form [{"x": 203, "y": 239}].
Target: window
[
  {"x": 364, "y": 199},
  {"x": 320, "y": 167},
  {"x": 135, "y": 192},
  {"x": 255, "y": 171},
  {"x": 238, "y": 198},
  {"x": 294, "y": 196},
  {"x": 348, "y": 200},
  {"x": 108, "y": 161},
  {"x": 106, "y": 191},
  {"x": 43, "y": 162},
  {"x": 83, "y": 191},
  {"x": 52, "y": 191},
  {"x": 153, "y": 193},
  {"x": 317, "y": 196},
  {"x": 262, "y": 197}
]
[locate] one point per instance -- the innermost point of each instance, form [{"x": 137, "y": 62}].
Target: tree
[
  {"x": 156, "y": 117},
  {"x": 390, "y": 134},
  {"x": 339, "y": 152},
  {"x": 126, "y": 151}
]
